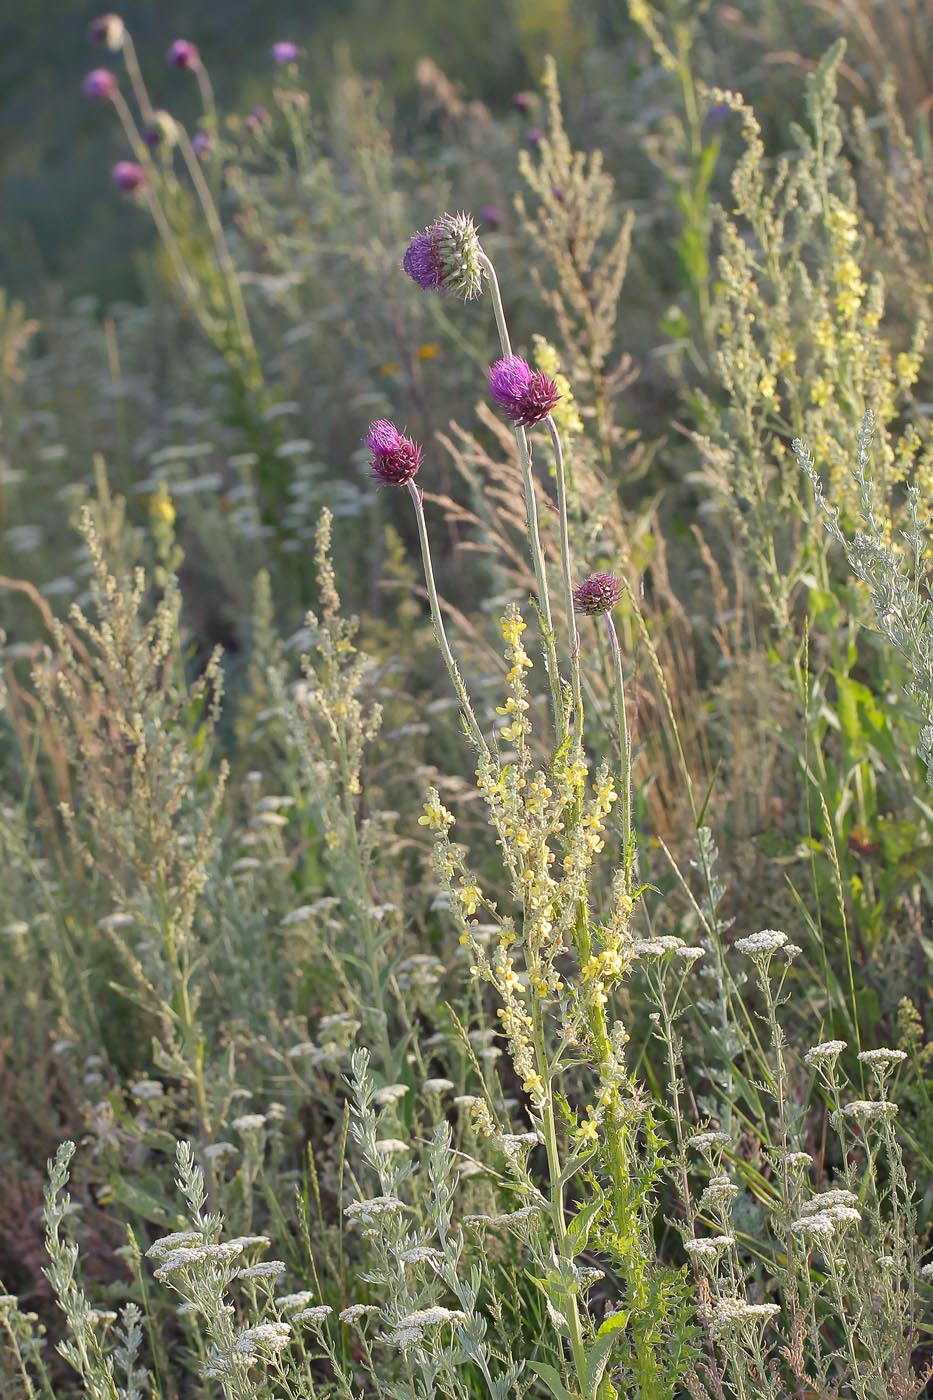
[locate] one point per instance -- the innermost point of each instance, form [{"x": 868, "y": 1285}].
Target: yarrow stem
[
  {"x": 476, "y": 734},
  {"x": 531, "y": 512}
]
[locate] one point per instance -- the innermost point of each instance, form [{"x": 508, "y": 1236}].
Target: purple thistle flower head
[
  {"x": 444, "y": 257},
  {"x": 527, "y": 395},
  {"x": 285, "y": 52},
  {"x": 107, "y": 32},
  {"x": 128, "y": 176},
  {"x": 183, "y": 54},
  {"x": 396, "y": 458},
  {"x": 523, "y": 101},
  {"x": 597, "y": 594},
  {"x": 99, "y": 84},
  {"x": 201, "y": 143}
]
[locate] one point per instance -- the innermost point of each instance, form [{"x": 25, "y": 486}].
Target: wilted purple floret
[
  {"x": 527, "y": 395},
  {"x": 99, "y": 84},
  {"x": 423, "y": 263},
  {"x": 285, "y": 52},
  {"x": 597, "y": 594},
  {"x": 396, "y": 458},
  {"x": 128, "y": 176},
  {"x": 183, "y": 54}
]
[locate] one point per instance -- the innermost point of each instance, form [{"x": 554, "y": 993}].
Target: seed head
[
  {"x": 597, "y": 594},
  {"x": 128, "y": 177},
  {"x": 444, "y": 257},
  {"x": 107, "y": 32},
  {"x": 285, "y": 52},
  {"x": 527, "y": 395},
  {"x": 184, "y": 54},
  {"x": 395, "y": 458},
  {"x": 100, "y": 85}
]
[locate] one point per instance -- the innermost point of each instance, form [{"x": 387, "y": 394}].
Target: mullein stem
[
  {"x": 440, "y": 632},
  {"x": 531, "y": 510},
  {"x": 625, "y": 745}
]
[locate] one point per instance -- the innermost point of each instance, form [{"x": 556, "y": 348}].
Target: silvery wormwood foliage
[{"x": 900, "y": 594}]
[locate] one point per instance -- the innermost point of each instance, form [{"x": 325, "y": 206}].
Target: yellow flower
[
  {"x": 766, "y": 386},
  {"x": 435, "y": 815},
  {"x": 588, "y": 1131},
  {"x": 428, "y": 351},
  {"x": 389, "y": 368},
  {"x": 161, "y": 506},
  {"x": 820, "y": 391},
  {"x": 469, "y": 896}
]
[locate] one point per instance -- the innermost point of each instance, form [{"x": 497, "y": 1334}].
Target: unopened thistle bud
[
  {"x": 183, "y": 54},
  {"x": 128, "y": 176},
  {"x": 444, "y": 257},
  {"x": 99, "y": 84},
  {"x": 161, "y": 130},
  {"x": 527, "y": 395},
  {"x": 396, "y": 458},
  {"x": 107, "y": 32},
  {"x": 597, "y": 594}
]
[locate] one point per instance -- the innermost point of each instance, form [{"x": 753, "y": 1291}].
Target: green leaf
[
  {"x": 596, "y": 1360},
  {"x": 551, "y": 1377}
]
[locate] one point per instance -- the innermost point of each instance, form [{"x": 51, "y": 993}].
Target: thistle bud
[
  {"x": 160, "y": 130},
  {"x": 183, "y": 54},
  {"x": 107, "y": 32},
  {"x": 396, "y": 458},
  {"x": 99, "y": 84},
  {"x": 128, "y": 176},
  {"x": 526, "y": 395},
  {"x": 285, "y": 52},
  {"x": 444, "y": 257},
  {"x": 597, "y": 594}
]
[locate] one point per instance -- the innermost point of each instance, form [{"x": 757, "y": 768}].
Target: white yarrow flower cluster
[
  {"x": 390, "y": 1094},
  {"x": 437, "y": 1086},
  {"x": 364, "y": 1212},
  {"x": 357, "y": 1310},
  {"x": 289, "y": 1301},
  {"x": 420, "y": 1254},
  {"x": 869, "y": 1110},
  {"x": 824, "y": 1053},
  {"x": 249, "y": 1122},
  {"x": 709, "y": 1248},
  {"x": 265, "y": 1336},
  {"x": 702, "y": 1142},
  {"x": 767, "y": 940},
  {"x": 269, "y": 1268},
  {"x": 725, "y": 1314},
  {"x": 313, "y": 1315},
  {"x": 430, "y": 1317}
]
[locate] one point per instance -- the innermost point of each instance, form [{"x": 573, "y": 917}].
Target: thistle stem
[
  {"x": 440, "y": 632},
  {"x": 567, "y": 578},
  {"x": 531, "y": 512},
  {"x": 625, "y": 745}
]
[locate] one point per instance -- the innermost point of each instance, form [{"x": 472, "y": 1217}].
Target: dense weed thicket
[{"x": 514, "y": 979}]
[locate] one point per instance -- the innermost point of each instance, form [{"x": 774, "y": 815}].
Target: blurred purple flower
[
  {"x": 395, "y": 458},
  {"x": 523, "y": 101},
  {"x": 183, "y": 54},
  {"x": 597, "y": 594},
  {"x": 257, "y": 118},
  {"x": 99, "y": 84},
  {"x": 491, "y": 215},
  {"x": 527, "y": 395},
  {"x": 444, "y": 257},
  {"x": 107, "y": 32},
  {"x": 128, "y": 176},
  {"x": 200, "y": 143},
  {"x": 285, "y": 52},
  {"x": 717, "y": 114},
  {"x": 534, "y": 136}
]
